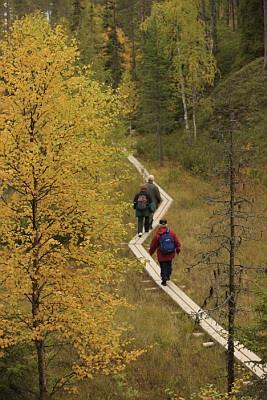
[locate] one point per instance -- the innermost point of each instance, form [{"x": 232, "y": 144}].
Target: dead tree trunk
[
  {"x": 265, "y": 33},
  {"x": 232, "y": 294}
]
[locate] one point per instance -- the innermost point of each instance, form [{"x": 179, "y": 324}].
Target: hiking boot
[{"x": 164, "y": 283}]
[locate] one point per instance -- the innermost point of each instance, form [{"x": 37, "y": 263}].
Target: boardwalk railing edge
[{"x": 208, "y": 324}]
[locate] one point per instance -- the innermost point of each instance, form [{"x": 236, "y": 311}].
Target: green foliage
[
  {"x": 228, "y": 48},
  {"x": 255, "y": 335},
  {"x": 17, "y": 374},
  {"x": 113, "y": 62},
  {"x": 197, "y": 157},
  {"x": 156, "y": 93},
  {"x": 243, "y": 92}
]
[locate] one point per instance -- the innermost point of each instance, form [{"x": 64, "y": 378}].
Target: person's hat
[
  {"x": 163, "y": 222},
  {"x": 150, "y": 178},
  {"x": 143, "y": 187}
]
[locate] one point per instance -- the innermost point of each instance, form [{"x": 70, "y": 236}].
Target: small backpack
[
  {"x": 166, "y": 243},
  {"x": 141, "y": 202}
]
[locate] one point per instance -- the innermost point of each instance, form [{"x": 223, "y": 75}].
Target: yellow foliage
[
  {"x": 184, "y": 39},
  {"x": 59, "y": 217}
]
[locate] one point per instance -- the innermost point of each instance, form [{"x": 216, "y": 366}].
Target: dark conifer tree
[
  {"x": 155, "y": 95},
  {"x": 76, "y": 15},
  {"x": 113, "y": 61}
]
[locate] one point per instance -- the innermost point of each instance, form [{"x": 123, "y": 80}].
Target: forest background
[{"x": 174, "y": 78}]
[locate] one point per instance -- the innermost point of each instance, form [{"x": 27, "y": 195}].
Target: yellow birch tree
[
  {"x": 60, "y": 218},
  {"x": 186, "y": 42}
]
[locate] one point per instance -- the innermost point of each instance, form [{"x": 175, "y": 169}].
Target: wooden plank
[{"x": 209, "y": 325}]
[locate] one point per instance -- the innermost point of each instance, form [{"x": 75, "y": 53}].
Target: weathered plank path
[{"x": 209, "y": 325}]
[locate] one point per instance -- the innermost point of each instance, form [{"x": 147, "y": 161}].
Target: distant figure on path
[
  {"x": 142, "y": 204},
  {"x": 154, "y": 193},
  {"x": 167, "y": 244}
]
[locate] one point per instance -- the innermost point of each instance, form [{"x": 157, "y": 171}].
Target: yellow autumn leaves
[{"x": 60, "y": 211}]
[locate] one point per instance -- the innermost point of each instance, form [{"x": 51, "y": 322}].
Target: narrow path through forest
[{"x": 209, "y": 325}]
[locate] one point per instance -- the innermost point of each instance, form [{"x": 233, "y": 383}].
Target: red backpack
[{"x": 141, "y": 202}]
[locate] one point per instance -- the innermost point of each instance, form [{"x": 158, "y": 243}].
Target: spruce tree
[
  {"x": 156, "y": 114},
  {"x": 112, "y": 52},
  {"x": 76, "y": 14}
]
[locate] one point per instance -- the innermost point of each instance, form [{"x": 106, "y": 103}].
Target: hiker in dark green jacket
[{"x": 142, "y": 204}]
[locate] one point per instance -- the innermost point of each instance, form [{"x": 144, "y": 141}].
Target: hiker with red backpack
[
  {"x": 167, "y": 244},
  {"x": 142, "y": 204}
]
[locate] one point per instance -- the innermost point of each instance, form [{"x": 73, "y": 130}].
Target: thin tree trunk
[
  {"x": 182, "y": 85},
  {"x": 213, "y": 25},
  {"x": 7, "y": 17},
  {"x": 265, "y": 33},
  {"x": 43, "y": 391},
  {"x": 184, "y": 101},
  {"x": 194, "y": 116},
  {"x": 194, "y": 122},
  {"x": 39, "y": 344},
  {"x": 233, "y": 14},
  {"x": 232, "y": 294},
  {"x": 142, "y": 11},
  {"x": 227, "y": 13},
  {"x": 203, "y": 10},
  {"x": 160, "y": 144},
  {"x": 133, "y": 54}
]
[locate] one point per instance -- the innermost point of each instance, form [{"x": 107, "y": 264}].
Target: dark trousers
[
  {"x": 141, "y": 221},
  {"x": 151, "y": 220},
  {"x": 165, "y": 270}
]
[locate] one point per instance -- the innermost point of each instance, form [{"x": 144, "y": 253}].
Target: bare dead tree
[
  {"x": 231, "y": 225},
  {"x": 265, "y": 33}
]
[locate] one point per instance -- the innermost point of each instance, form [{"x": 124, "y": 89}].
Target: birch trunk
[{"x": 182, "y": 85}]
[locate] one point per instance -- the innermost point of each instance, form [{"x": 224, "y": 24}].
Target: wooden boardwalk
[{"x": 209, "y": 325}]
